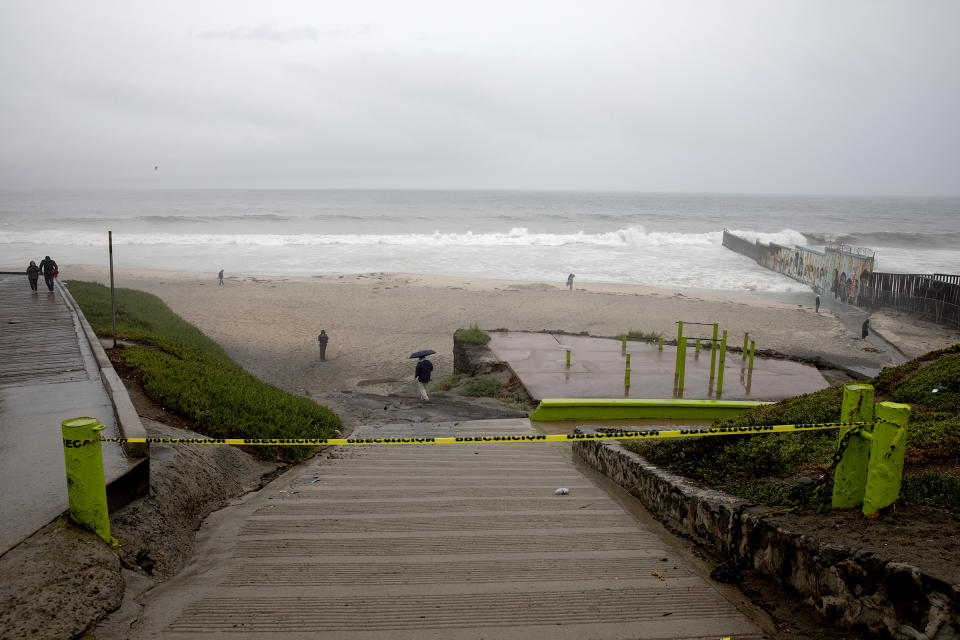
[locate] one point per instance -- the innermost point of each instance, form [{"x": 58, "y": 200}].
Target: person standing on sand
[
  {"x": 816, "y": 303},
  {"x": 322, "y": 340},
  {"x": 570, "y": 282},
  {"x": 33, "y": 274},
  {"x": 422, "y": 374},
  {"x": 865, "y": 329},
  {"x": 50, "y": 271},
  {"x": 220, "y": 277}
]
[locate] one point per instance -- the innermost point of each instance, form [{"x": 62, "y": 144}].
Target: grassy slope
[
  {"x": 186, "y": 372},
  {"x": 763, "y": 468}
]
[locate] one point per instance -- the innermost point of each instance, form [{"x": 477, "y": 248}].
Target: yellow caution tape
[{"x": 653, "y": 434}]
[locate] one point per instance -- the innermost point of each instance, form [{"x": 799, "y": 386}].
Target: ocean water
[{"x": 665, "y": 240}]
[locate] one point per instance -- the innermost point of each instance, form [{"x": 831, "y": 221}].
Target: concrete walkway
[
  {"x": 597, "y": 370},
  {"x": 48, "y": 374},
  {"x": 435, "y": 541}
]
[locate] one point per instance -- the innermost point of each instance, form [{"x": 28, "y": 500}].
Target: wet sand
[{"x": 269, "y": 324}]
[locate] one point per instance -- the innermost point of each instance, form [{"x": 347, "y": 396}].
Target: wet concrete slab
[
  {"x": 459, "y": 541},
  {"x": 49, "y": 375},
  {"x": 597, "y": 368}
]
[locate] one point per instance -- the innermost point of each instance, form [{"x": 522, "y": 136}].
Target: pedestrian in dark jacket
[
  {"x": 865, "y": 329},
  {"x": 322, "y": 340},
  {"x": 422, "y": 374},
  {"x": 50, "y": 271},
  {"x": 33, "y": 274}
]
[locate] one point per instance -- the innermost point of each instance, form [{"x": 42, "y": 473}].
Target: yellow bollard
[
  {"x": 850, "y": 476},
  {"x": 885, "y": 468},
  {"x": 682, "y": 349},
  {"x": 86, "y": 488},
  {"x": 752, "y": 345},
  {"x": 660, "y": 345},
  {"x": 623, "y": 347},
  {"x": 746, "y": 341},
  {"x": 722, "y": 363},
  {"x": 713, "y": 350},
  {"x": 568, "y": 357}
]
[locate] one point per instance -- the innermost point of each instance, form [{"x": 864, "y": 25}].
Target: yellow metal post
[
  {"x": 746, "y": 339},
  {"x": 623, "y": 347},
  {"x": 660, "y": 345},
  {"x": 86, "y": 487},
  {"x": 850, "y": 476},
  {"x": 676, "y": 365},
  {"x": 713, "y": 350},
  {"x": 723, "y": 359},
  {"x": 885, "y": 468},
  {"x": 682, "y": 348},
  {"x": 568, "y": 357},
  {"x": 750, "y": 365}
]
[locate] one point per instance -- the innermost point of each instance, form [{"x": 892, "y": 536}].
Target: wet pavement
[
  {"x": 48, "y": 374},
  {"x": 597, "y": 367},
  {"x": 452, "y": 541}
]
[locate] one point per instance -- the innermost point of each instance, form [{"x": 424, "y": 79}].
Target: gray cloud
[
  {"x": 747, "y": 95},
  {"x": 273, "y": 33}
]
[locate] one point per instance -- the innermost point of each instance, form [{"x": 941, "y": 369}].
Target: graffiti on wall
[{"x": 845, "y": 274}]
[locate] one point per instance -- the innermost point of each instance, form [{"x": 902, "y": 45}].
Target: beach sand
[{"x": 269, "y": 324}]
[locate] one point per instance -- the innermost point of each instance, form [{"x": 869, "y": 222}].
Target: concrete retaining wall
[
  {"x": 854, "y": 588},
  {"x": 128, "y": 421}
]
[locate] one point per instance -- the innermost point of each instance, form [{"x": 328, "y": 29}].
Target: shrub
[
  {"x": 473, "y": 335},
  {"x": 482, "y": 388},
  {"x": 639, "y": 334},
  {"x": 447, "y": 383}
]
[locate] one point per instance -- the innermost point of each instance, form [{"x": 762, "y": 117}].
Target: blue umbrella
[{"x": 422, "y": 353}]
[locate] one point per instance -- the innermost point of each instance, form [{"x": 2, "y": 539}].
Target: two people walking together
[{"x": 48, "y": 267}]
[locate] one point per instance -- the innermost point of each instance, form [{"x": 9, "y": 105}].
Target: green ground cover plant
[
  {"x": 640, "y": 335},
  {"x": 481, "y": 388},
  {"x": 447, "y": 383},
  {"x": 184, "y": 371},
  {"x": 473, "y": 335},
  {"x": 766, "y": 468}
]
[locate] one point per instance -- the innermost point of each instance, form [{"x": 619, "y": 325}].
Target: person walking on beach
[
  {"x": 570, "y": 282},
  {"x": 422, "y": 374},
  {"x": 816, "y": 303},
  {"x": 50, "y": 271},
  {"x": 33, "y": 274},
  {"x": 220, "y": 277},
  {"x": 322, "y": 340}
]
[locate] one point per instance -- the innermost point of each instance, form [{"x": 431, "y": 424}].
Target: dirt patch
[{"x": 924, "y": 537}]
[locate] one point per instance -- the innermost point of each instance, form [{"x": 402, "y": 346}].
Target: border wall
[{"x": 848, "y": 274}]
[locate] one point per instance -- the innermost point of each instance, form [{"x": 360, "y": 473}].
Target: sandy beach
[{"x": 270, "y": 324}]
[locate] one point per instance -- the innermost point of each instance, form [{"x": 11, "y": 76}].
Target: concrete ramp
[{"x": 436, "y": 541}]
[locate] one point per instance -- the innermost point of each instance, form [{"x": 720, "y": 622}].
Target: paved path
[
  {"x": 597, "y": 369},
  {"x": 47, "y": 375},
  {"x": 435, "y": 541}
]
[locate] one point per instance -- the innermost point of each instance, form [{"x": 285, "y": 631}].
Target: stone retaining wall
[{"x": 854, "y": 588}]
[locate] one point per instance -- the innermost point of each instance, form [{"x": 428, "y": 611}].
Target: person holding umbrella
[{"x": 423, "y": 370}]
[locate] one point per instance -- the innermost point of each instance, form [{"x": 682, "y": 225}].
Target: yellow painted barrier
[{"x": 86, "y": 490}]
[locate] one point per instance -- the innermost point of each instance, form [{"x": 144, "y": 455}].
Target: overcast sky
[{"x": 773, "y": 96}]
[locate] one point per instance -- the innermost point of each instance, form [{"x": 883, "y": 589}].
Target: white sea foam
[{"x": 656, "y": 239}]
